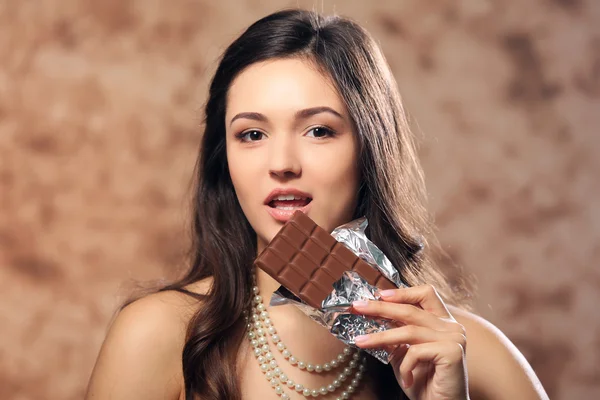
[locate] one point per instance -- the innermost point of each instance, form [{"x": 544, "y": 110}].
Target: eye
[
  {"x": 320, "y": 132},
  {"x": 250, "y": 136}
]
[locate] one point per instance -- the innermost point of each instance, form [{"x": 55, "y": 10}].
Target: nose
[{"x": 283, "y": 158}]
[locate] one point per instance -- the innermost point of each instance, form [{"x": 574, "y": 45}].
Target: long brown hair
[{"x": 392, "y": 192}]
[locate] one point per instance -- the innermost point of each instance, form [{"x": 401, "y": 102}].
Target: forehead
[{"x": 282, "y": 84}]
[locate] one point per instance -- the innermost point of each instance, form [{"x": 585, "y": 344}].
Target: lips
[
  {"x": 282, "y": 203},
  {"x": 279, "y": 193}
]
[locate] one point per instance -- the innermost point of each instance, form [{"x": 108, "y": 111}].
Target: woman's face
[{"x": 290, "y": 145}]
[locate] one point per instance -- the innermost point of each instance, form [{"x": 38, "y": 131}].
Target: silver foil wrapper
[
  {"x": 335, "y": 314},
  {"x": 353, "y": 236}
]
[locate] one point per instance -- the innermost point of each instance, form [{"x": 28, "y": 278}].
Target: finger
[
  {"x": 408, "y": 334},
  {"x": 425, "y": 296},
  {"x": 438, "y": 353},
  {"x": 396, "y": 354},
  {"x": 405, "y": 313}
]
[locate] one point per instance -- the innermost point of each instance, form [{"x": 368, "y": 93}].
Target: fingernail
[
  {"x": 387, "y": 293},
  {"x": 359, "y": 304},
  {"x": 361, "y": 339}
]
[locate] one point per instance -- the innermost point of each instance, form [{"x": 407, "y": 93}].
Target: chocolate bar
[{"x": 307, "y": 260}]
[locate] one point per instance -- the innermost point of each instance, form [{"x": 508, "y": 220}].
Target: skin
[
  {"x": 439, "y": 352},
  {"x": 287, "y": 150}
]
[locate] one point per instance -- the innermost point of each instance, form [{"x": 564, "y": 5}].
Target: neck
[{"x": 266, "y": 284}]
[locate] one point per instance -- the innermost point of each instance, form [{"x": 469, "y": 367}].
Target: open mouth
[{"x": 289, "y": 202}]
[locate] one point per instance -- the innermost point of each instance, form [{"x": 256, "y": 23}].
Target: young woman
[{"x": 303, "y": 112}]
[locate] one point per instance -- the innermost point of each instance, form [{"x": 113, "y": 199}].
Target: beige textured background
[{"x": 99, "y": 113}]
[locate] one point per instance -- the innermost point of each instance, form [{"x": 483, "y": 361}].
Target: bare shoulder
[
  {"x": 141, "y": 354},
  {"x": 496, "y": 368}
]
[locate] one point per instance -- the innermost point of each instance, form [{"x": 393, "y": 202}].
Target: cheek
[
  {"x": 246, "y": 167},
  {"x": 335, "y": 178},
  {"x": 240, "y": 170},
  {"x": 336, "y": 168}
]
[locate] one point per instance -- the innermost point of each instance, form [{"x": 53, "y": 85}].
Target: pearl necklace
[{"x": 256, "y": 324}]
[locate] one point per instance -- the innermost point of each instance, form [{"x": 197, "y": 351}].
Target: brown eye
[
  {"x": 250, "y": 136},
  {"x": 321, "y": 132}
]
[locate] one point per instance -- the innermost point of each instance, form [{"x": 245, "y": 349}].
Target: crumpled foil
[
  {"x": 335, "y": 313},
  {"x": 353, "y": 236}
]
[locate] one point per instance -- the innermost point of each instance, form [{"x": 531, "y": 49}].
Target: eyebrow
[{"x": 301, "y": 114}]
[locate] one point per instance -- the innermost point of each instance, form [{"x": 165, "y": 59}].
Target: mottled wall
[{"x": 99, "y": 112}]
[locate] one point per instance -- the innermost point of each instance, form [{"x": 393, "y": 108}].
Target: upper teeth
[{"x": 289, "y": 197}]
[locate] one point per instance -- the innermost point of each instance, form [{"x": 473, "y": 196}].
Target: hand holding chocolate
[{"x": 322, "y": 274}]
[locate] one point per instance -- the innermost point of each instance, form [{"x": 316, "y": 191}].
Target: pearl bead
[{"x": 260, "y": 326}]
